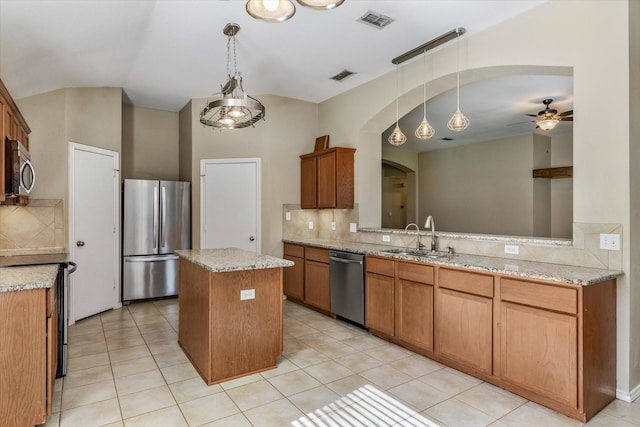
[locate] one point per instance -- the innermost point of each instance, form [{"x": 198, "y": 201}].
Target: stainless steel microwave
[{"x": 20, "y": 175}]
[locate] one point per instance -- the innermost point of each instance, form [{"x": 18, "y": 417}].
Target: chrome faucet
[
  {"x": 432, "y": 225},
  {"x": 418, "y": 244}
]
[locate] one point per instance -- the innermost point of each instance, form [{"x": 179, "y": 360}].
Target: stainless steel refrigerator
[{"x": 156, "y": 222}]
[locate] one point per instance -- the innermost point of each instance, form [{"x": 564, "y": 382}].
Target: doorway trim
[{"x": 74, "y": 146}]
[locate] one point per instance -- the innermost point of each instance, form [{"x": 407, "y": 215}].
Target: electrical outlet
[
  {"x": 287, "y": 216},
  {"x": 247, "y": 294},
  {"x": 353, "y": 227},
  {"x": 511, "y": 249},
  {"x": 333, "y": 225},
  {"x": 610, "y": 242},
  {"x": 310, "y": 225},
  {"x": 386, "y": 238}
]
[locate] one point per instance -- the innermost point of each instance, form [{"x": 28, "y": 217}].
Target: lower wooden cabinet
[
  {"x": 293, "y": 277},
  {"x": 28, "y": 348},
  {"x": 317, "y": 292},
  {"x": 464, "y": 319},
  {"x": 414, "y": 305},
  {"x": 379, "y": 295}
]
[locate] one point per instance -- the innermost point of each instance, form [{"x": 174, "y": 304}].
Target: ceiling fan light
[
  {"x": 458, "y": 121},
  {"x": 397, "y": 137},
  {"x": 547, "y": 123},
  {"x": 425, "y": 130},
  {"x": 321, "y": 4},
  {"x": 271, "y": 10}
]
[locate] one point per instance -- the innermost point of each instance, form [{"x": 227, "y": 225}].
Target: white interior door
[
  {"x": 230, "y": 204},
  {"x": 94, "y": 206}
]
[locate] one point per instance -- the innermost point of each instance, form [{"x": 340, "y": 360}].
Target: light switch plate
[
  {"x": 310, "y": 225},
  {"x": 386, "y": 238},
  {"x": 287, "y": 216},
  {"x": 610, "y": 242},
  {"x": 246, "y": 294},
  {"x": 333, "y": 225},
  {"x": 353, "y": 227}
]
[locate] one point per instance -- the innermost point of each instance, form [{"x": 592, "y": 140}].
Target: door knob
[
  {"x": 79, "y": 243},
  {"x": 252, "y": 238}
]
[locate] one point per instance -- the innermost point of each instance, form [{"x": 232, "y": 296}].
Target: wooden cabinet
[
  {"x": 28, "y": 348},
  {"x": 293, "y": 277},
  {"x": 464, "y": 319},
  {"x": 414, "y": 305},
  {"x": 379, "y": 295},
  {"x": 12, "y": 126},
  {"x": 327, "y": 179},
  {"x": 317, "y": 291}
]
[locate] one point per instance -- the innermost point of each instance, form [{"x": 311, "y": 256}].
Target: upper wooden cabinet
[
  {"x": 12, "y": 126},
  {"x": 327, "y": 179}
]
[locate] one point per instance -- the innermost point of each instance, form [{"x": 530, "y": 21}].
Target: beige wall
[
  {"x": 90, "y": 116},
  {"x": 149, "y": 143},
  {"x": 289, "y": 130},
  {"x": 562, "y": 189},
  {"x": 600, "y": 64},
  {"x": 184, "y": 146}
]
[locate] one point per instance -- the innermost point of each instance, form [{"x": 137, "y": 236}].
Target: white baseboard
[{"x": 628, "y": 396}]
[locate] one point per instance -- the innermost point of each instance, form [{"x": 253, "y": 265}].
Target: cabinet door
[
  {"x": 327, "y": 180},
  {"x": 316, "y": 285},
  {"x": 464, "y": 329},
  {"x": 308, "y": 183},
  {"x": 379, "y": 296},
  {"x": 293, "y": 278},
  {"x": 414, "y": 313},
  {"x": 539, "y": 351}
]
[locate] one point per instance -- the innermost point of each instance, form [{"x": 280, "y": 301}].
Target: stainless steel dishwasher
[{"x": 347, "y": 285}]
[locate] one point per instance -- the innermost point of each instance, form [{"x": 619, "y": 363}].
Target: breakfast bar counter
[{"x": 230, "y": 305}]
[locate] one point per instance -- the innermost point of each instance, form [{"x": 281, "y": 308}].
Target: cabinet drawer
[
  {"x": 294, "y": 250},
  {"x": 415, "y": 272},
  {"x": 380, "y": 266},
  {"x": 316, "y": 254},
  {"x": 472, "y": 283},
  {"x": 539, "y": 295}
]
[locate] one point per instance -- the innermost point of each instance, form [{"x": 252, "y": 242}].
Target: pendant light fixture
[
  {"x": 397, "y": 137},
  {"x": 458, "y": 121},
  {"x": 234, "y": 109},
  {"x": 321, "y": 4},
  {"x": 425, "y": 130},
  {"x": 271, "y": 10}
]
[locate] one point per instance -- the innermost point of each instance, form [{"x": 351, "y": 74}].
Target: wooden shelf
[{"x": 554, "y": 173}]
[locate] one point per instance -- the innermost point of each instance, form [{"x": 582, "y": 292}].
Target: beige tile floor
[{"x": 126, "y": 369}]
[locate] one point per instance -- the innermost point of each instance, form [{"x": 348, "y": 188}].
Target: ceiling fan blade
[
  {"x": 566, "y": 119},
  {"x": 531, "y": 115},
  {"x": 566, "y": 113}
]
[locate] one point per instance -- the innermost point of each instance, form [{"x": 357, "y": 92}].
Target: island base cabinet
[{"x": 225, "y": 336}]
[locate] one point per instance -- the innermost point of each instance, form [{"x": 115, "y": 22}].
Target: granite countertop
[
  {"x": 27, "y": 277},
  {"x": 231, "y": 259},
  {"x": 528, "y": 269}
]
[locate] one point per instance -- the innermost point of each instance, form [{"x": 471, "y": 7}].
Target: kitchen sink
[{"x": 417, "y": 253}]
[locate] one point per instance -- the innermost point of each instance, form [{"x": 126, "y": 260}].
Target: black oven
[{"x": 20, "y": 175}]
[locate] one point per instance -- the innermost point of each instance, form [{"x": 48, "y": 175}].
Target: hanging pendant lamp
[
  {"x": 458, "y": 121},
  {"x": 271, "y": 10},
  {"x": 425, "y": 130},
  {"x": 321, "y": 4},
  {"x": 397, "y": 137},
  {"x": 233, "y": 109}
]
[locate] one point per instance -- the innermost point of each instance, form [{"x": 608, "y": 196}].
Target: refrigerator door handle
[
  {"x": 163, "y": 216},
  {"x": 150, "y": 258},
  {"x": 155, "y": 219}
]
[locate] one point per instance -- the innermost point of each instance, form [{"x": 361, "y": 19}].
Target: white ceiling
[{"x": 165, "y": 52}]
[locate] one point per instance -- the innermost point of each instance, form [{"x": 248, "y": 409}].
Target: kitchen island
[{"x": 230, "y": 305}]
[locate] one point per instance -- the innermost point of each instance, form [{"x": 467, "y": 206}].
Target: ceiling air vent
[
  {"x": 375, "y": 19},
  {"x": 446, "y": 138},
  {"x": 342, "y": 75}
]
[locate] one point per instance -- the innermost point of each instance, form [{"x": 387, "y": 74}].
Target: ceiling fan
[{"x": 548, "y": 118}]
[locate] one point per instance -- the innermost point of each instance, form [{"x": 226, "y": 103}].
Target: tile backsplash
[
  {"x": 584, "y": 250},
  {"x": 38, "y": 227}
]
